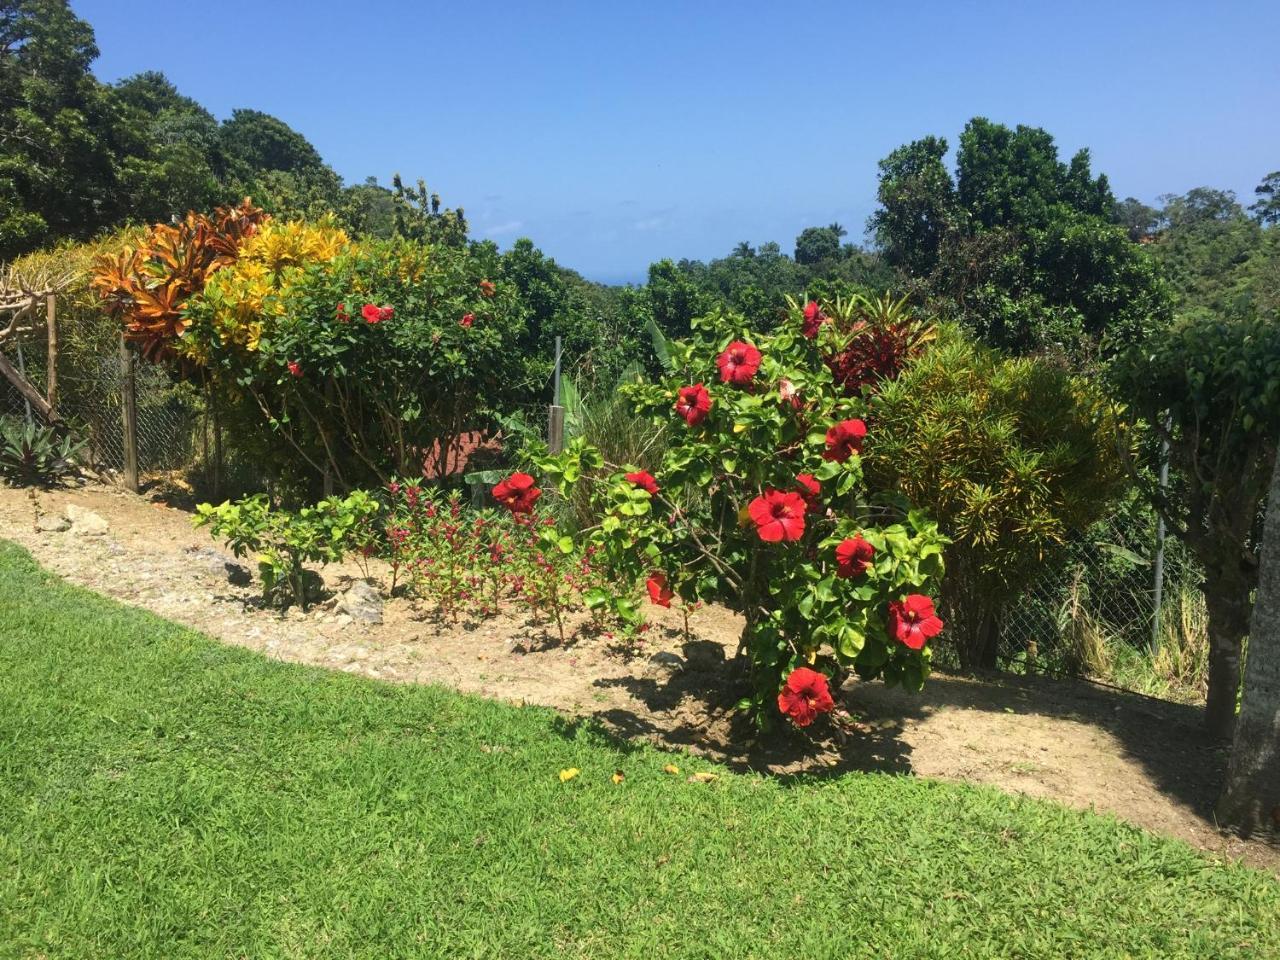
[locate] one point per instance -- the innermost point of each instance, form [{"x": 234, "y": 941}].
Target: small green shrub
[
  {"x": 283, "y": 541},
  {"x": 1010, "y": 455},
  {"x": 35, "y": 455}
]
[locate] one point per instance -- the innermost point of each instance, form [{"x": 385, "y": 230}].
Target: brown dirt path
[{"x": 1143, "y": 760}]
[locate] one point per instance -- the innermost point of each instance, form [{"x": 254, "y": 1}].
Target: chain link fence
[
  {"x": 172, "y": 425},
  {"x": 1097, "y": 601}
]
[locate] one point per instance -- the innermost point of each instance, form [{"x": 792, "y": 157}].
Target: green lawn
[{"x": 164, "y": 796}]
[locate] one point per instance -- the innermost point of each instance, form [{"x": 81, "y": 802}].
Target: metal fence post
[
  {"x": 555, "y": 415},
  {"x": 129, "y": 414},
  {"x": 1157, "y": 587}
]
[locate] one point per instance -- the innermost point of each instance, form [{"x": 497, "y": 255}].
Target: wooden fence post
[
  {"x": 129, "y": 414},
  {"x": 51, "y": 373}
]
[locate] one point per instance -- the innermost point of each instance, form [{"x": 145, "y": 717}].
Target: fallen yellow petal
[
  {"x": 703, "y": 777},
  {"x": 670, "y": 768},
  {"x": 618, "y": 776},
  {"x": 568, "y": 774}
]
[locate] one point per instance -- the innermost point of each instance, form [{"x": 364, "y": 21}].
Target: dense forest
[{"x": 1032, "y": 252}]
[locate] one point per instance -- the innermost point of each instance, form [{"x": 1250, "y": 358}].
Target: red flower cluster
[
  {"x": 295, "y": 368},
  {"x": 373, "y": 313},
  {"x": 872, "y": 354},
  {"x": 644, "y": 480},
  {"x": 517, "y": 493},
  {"x": 809, "y": 489},
  {"x": 814, "y": 318},
  {"x": 913, "y": 622},
  {"x": 853, "y": 556},
  {"x": 805, "y": 695},
  {"x": 467, "y": 319},
  {"x": 739, "y": 363},
  {"x": 693, "y": 403},
  {"x": 342, "y": 313},
  {"x": 844, "y": 440},
  {"x": 487, "y": 288},
  {"x": 778, "y": 516},
  {"x": 659, "y": 592}
]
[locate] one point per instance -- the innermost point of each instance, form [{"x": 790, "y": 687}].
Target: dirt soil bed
[{"x": 1143, "y": 760}]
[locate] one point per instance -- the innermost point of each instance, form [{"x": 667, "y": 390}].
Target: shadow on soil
[{"x": 695, "y": 702}]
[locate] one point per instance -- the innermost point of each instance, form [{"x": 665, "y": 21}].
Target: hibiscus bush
[
  {"x": 325, "y": 356},
  {"x": 760, "y": 504}
]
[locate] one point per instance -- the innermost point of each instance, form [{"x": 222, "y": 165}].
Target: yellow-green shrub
[{"x": 1010, "y": 455}]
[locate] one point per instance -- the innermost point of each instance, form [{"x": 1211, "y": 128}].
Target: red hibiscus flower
[
  {"x": 693, "y": 403},
  {"x": 813, "y": 319},
  {"x": 467, "y": 319},
  {"x": 371, "y": 313},
  {"x": 385, "y": 313},
  {"x": 805, "y": 695},
  {"x": 739, "y": 363},
  {"x": 808, "y": 487},
  {"x": 295, "y": 368},
  {"x": 844, "y": 440},
  {"x": 342, "y": 313},
  {"x": 644, "y": 480},
  {"x": 487, "y": 288},
  {"x": 913, "y": 621},
  {"x": 778, "y": 516},
  {"x": 517, "y": 493},
  {"x": 659, "y": 592},
  {"x": 853, "y": 556}
]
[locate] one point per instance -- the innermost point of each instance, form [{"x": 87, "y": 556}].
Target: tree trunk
[
  {"x": 1250, "y": 803},
  {"x": 1227, "y": 603}
]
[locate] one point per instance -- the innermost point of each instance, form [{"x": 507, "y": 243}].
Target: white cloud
[{"x": 650, "y": 223}]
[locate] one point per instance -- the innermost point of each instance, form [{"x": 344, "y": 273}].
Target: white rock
[
  {"x": 362, "y": 602},
  {"x": 84, "y": 522},
  {"x": 49, "y": 523}
]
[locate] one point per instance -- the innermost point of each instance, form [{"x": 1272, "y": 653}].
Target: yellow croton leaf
[
  {"x": 618, "y": 776},
  {"x": 671, "y": 768},
  {"x": 568, "y": 774}
]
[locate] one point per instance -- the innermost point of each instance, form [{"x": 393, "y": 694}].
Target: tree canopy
[{"x": 1018, "y": 245}]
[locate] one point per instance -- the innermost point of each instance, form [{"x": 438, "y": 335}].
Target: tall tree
[
  {"x": 1267, "y": 207},
  {"x": 1210, "y": 385},
  {"x": 1250, "y": 803},
  {"x": 1021, "y": 247},
  {"x": 57, "y": 169},
  {"x": 816, "y": 244},
  {"x": 917, "y": 205}
]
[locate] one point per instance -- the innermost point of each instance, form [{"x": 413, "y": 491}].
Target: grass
[{"x": 162, "y": 795}]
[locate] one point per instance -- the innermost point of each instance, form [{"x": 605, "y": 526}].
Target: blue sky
[{"x": 617, "y": 133}]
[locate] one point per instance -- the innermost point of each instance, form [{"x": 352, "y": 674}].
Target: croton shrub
[
  {"x": 340, "y": 358},
  {"x": 760, "y": 504}
]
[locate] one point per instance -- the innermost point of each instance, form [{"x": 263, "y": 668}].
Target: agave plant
[{"x": 35, "y": 455}]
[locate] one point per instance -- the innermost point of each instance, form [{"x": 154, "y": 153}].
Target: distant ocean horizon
[{"x": 634, "y": 278}]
